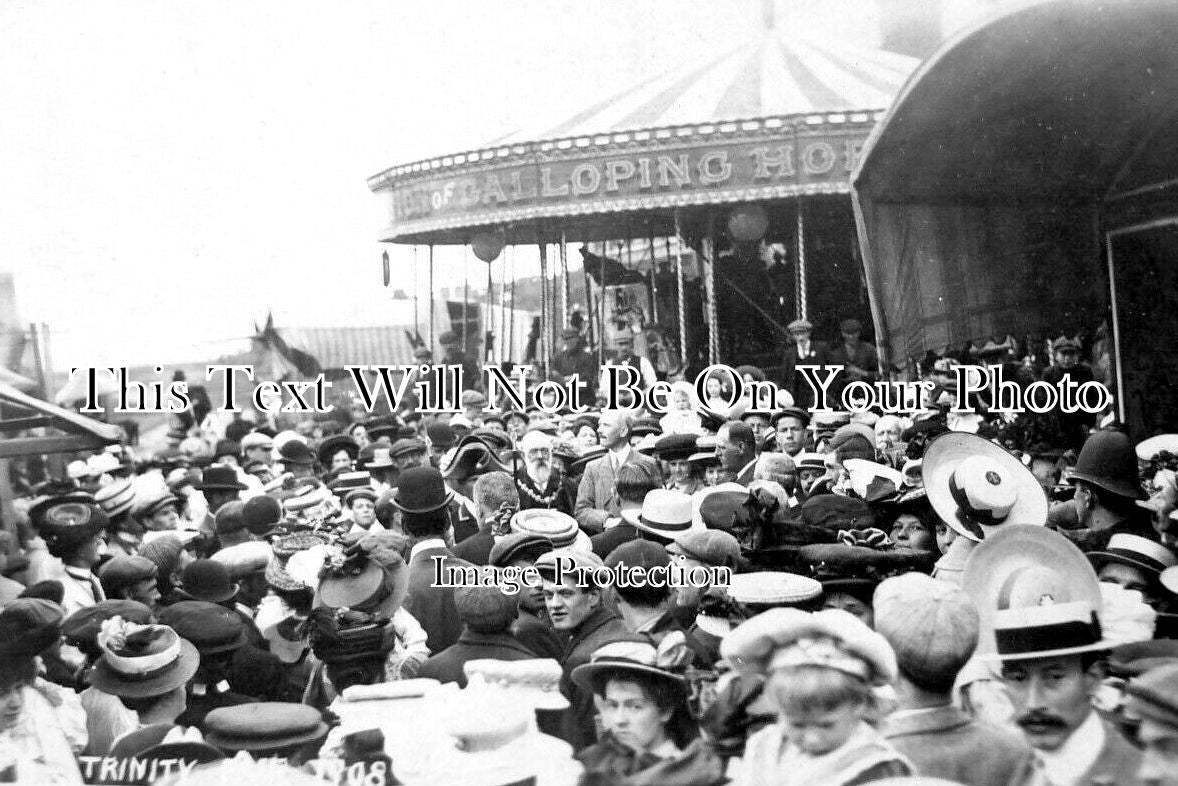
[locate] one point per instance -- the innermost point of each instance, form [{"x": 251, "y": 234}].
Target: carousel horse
[{"x": 275, "y": 360}]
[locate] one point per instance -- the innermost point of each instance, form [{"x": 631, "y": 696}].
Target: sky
[{"x": 173, "y": 171}]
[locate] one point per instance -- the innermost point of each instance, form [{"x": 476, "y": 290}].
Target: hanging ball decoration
[
  {"x": 748, "y": 223},
  {"x": 488, "y": 244}
]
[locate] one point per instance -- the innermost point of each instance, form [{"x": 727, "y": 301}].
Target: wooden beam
[
  {"x": 7, "y": 508},
  {"x": 32, "y": 446},
  {"x": 20, "y": 424}
]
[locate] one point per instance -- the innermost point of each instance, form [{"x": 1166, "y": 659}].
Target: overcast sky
[{"x": 174, "y": 170}]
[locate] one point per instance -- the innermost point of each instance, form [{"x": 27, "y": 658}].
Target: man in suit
[
  {"x": 802, "y": 351},
  {"x": 597, "y": 502},
  {"x": 736, "y": 447},
  {"x": 857, "y": 357},
  {"x": 424, "y": 500}
]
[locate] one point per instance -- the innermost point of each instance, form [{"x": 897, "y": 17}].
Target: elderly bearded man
[{"x": 540, "y": 484}]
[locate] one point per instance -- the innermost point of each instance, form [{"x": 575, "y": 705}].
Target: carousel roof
[
  {"x": 780, "y": 75},
  {"x": 778, "y": 118}
]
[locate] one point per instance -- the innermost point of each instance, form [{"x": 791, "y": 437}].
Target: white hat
[
  {"x": 76, "y": 470},
  {"x": 665, "y": 513}
]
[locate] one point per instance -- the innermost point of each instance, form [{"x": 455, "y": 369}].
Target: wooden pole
[{"x": 432, "y": 346}]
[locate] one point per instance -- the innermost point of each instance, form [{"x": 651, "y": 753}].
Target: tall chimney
[{"x": 910, "y": 27}]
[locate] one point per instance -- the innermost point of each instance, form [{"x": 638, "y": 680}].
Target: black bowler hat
[
  {"x": 296, "y": 453},
  {"x": 675, "y": 447},
  {"x": 421, "y": 490},
  {"x": 220, "y": 479},
  {"x": 208, "y": 580}
]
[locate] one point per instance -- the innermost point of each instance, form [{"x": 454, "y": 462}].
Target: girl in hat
[
  {"x": 820, "y": 669},
  {"x": 648, "y": 734}
]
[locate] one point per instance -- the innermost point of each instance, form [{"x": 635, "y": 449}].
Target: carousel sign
[{"x": 589, "y": 179}]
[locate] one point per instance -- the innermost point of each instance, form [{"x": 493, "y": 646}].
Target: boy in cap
[
  {"x": 487, "y": 615},
  {"x": 933, "y": 628},
  {"x": 802, "y": 351},
  {"x": 130, "y": 578},
  {"x": 217, "y": 633},
  {"x": 856, "y": 356},
  {"x": 531, "y": 628}
]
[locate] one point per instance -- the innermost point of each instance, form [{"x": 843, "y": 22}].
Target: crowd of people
[{"x": 964, "y": 598}]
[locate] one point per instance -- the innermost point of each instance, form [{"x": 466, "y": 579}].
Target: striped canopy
[{"x": 779, "y": 75}]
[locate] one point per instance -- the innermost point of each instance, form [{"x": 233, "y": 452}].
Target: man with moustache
[
  {"x": 540, "y": 484},
  {"x": 597, "y": 504},
  {"x": 1052, "y": 664}
]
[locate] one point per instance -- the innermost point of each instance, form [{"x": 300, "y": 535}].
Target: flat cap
[
  {"x": 638, "y": 554},
  {"x": 28, "y": 626},
  {"x": 261, "y": 726},
  {"x": 517, "y": 546},
  {"x": 245, "y": 558},
  {"x": 123, "y": 571},
  {"x": 210, "y": 628},
  {"x": 569, "y": 558},
  {"x": 230, "y": 517},
  {"x": 710, "y": 546},
  {"x": 931, "y": 625}
]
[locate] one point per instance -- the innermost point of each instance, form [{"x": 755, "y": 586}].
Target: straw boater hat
[
  {"x": 559, "y": 528},
  {"x": 771, "y": 588},
  {"x": 116, "y": 497},
  {"x": 1135, "y": 551},
  {"x": 665, "y": 513},
  {"x": 976, "y": 487},
  {"x": 1148, "y": 448},
  {"x": 1022, "y": 566},
  {"x": 262, "y": 726}
]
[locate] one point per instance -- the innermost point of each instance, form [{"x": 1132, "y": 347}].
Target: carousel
[{"x": 705, "y": 208}]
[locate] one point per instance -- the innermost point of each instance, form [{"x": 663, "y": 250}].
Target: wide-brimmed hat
[
  {"x": 1048, "y": 630},
  {"x": 1135, "y": 551},
  {"x": 665, "y": 513},
  {"x": 142, "y": 660},
  {"x": 334, "y": 444},
  {"x": 976, "y": 486},
  {"x": 799, "y": 324},
  {"x": 261, "y": 726},
  {"x": 421, "y": 490},
  {"x": 1022, "y": 566},
  {"x": 1107, "y": 461},
  {"x": 356, "y": 581},
  {"x": 675, "y": 447},
  {"x": 559, "y": 528},
  {"x": 621, "y": 658},
  {"x": 219, "y": 478}
]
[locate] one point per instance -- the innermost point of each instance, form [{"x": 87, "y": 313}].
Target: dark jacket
[
  {"x": 447, "y": 665},
  {"x": 433, "y": 606},
  {"x": 477, "y": 548},
  {"x": 944, "y": 742},
  {"x": 668, "y": 623},
  {"x": 598, "y": 629},
  {"x": 610, "y": 539},
  {"x": 597, "y": 499},
  {"x": 794, "y": 381},
  {"x": 537, "y": 635},
  {"x": 696, "y": 765},
  {"x": 557, "y": 495}
]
